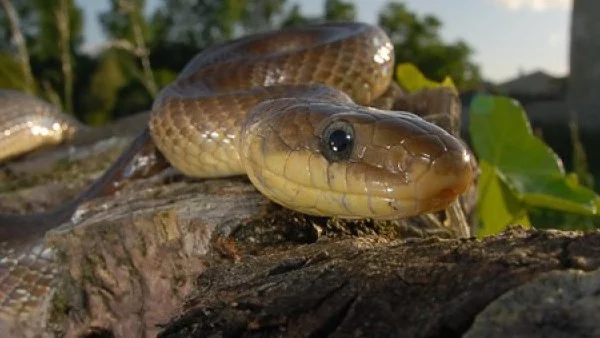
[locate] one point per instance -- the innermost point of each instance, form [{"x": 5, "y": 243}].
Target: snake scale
[{"x": 287, "y": 109}]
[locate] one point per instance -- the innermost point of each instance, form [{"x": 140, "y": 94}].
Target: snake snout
[
  {"x": 442, "y": 171},
  {"x": 448, "y": 177},
  {"x": 415, "y": 166}
]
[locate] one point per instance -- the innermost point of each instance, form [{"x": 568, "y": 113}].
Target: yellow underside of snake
[{"x": 287, "y": 109}]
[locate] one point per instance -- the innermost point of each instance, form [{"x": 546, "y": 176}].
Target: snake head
[{"x": 353, "y": 162}]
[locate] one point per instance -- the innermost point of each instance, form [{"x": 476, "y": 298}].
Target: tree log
[{"x": 175, "y": 257}]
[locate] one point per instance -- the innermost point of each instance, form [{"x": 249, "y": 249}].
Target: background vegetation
[{"x": 145, "y": 52}]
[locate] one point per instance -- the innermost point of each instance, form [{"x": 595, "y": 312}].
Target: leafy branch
[
  {"x": 64, "y": 33},
  {"x": 138, "y": 48},
  {"x": 19, "y": 40}
]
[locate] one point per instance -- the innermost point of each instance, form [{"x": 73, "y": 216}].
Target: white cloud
[{"x": 538, "y": 5}]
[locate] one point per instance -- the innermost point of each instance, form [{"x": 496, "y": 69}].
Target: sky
[{"x": 509, "y": 36}]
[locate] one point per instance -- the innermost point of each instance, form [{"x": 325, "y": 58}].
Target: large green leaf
[
  {"x": 553, "y": 191},
  {"x": 497, "y": 206},
  {"x": 502, "y": 137}
]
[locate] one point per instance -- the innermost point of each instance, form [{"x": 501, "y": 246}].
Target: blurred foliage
[
  {"x": 105, "y": 84},
  {"x": 44, "y": 41},
  {"x": 337, "y": 10},
  {"x": 28, "y": 20},
  {"x": 39, "y": 25},
  {"x": 294, "y": 17},
  {"x": 128, "y": 29},
  {"x": 417, "y": 40},
  {"x": 202, "y": 23},
  {"x": 580, "y": 161},
  {"x": 11, "y": 75},
  {"x": 118, "y": 22},
  {"x": 149, "y": 49}
]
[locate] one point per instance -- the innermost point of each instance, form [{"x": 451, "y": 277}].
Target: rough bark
[{"x": 366, "y": 287}]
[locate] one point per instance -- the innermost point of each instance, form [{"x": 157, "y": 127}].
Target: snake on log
[
  {"x": 286, "y": 109},
  {"x": 289, "y": 109}
]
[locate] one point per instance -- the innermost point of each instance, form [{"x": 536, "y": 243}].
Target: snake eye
[{"x": 338, "y": 141}]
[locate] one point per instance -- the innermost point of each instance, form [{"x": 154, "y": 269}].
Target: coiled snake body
[
  {"x": 309, "y": 147},
  {"x": 286, "y": 109}
]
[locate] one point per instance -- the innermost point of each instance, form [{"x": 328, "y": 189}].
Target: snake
[{"x": 290, "y": 110}]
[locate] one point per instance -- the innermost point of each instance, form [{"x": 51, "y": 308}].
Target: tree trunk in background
[
  {"x": 584, "y": 79},
  {"x": 19, "y": 41}
]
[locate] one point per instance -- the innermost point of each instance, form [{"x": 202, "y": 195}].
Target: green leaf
[
  {"x": 502, "y": 138},
  {"x": 556, "y": 192},
  {"x": 412, "y": 80},
  {"x": 498, "y": 206},
  {"x": 501, "y": 135}
]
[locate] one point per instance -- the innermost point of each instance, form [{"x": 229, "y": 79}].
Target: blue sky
[{"x": 508, "y": 36}]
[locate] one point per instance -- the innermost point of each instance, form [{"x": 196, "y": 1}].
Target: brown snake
[{"x": 286, "y": 109}]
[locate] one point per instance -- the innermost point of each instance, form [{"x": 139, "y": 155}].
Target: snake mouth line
[{"x": 326, "y": 202}]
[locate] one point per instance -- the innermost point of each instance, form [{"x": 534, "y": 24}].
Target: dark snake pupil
[{"x": 339, "y": 140}]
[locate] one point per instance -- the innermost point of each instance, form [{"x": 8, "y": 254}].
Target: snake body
[
  {"x": 281, "y": 125},
  {"x": 286, "y": 108},
  {"x": 27, "y": 123}
]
